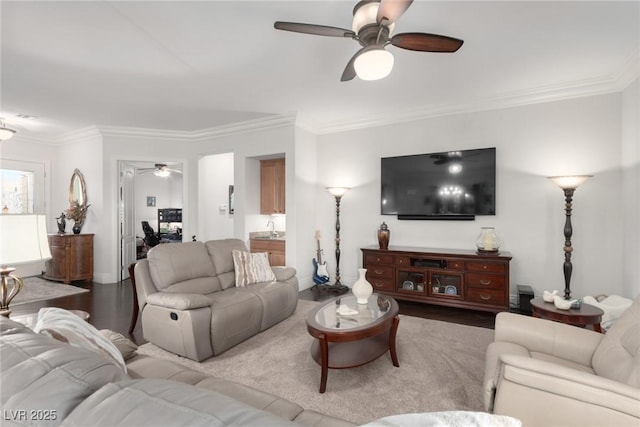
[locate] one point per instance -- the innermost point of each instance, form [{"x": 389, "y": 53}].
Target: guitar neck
[{"x": 319, "y": 253}]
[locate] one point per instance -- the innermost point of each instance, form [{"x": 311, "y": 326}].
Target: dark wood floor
[{"x": 110, "y": 307}]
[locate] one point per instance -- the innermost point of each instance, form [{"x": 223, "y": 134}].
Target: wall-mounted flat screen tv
[{"x": 447, "y": 185}]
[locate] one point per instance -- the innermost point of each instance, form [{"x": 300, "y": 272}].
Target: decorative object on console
[
  {"x": 549, "y": 296},
  {"x": 488, "y": 241},
  {"x": 62, "y": 223},
  {"x": 562, "y": 304},
  {"x": 337, "y": 286},
  {"x": 31, "y": 233},
  {"x": 362, "y": 289},
  {"x": 77, "y": 201},
  {"x": 383, "y": 236},
  {"x": 568, "y": 184}
]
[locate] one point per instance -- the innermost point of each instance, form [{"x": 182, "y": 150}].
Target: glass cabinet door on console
[
  {"x": 447, "y": 285},
  {"x": 411, "y": 282}
]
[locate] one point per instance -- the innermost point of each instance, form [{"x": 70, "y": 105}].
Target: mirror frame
[{"x": 79, "y": 179}]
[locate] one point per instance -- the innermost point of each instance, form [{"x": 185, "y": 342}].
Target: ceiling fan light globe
[
  {"x": 6, "y": 133},
  {"x": 365, "y": 13},
  {"x": 374, "y": 64},
  {"x": 162, "y": 173}
]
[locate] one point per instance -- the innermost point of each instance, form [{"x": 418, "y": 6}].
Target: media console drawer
[{"x": 449, "y": 277}]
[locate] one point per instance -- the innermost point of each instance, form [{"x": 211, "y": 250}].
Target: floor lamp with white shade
[
  {"x": 568, "y": 184},
  {"x": 337, "y": 286}
]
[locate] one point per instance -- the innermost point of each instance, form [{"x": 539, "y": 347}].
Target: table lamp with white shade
[{"x": 23, "y": 239}]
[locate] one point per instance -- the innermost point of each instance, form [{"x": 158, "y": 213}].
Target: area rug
[
  {"x": 441, "y": 369},
  {"x": 37, "y": 289}
]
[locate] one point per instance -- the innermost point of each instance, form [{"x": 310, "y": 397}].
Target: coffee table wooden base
[{"x": 350, "y": 354}]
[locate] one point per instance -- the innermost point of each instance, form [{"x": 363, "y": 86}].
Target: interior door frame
[{"x": 125, "y": 167}]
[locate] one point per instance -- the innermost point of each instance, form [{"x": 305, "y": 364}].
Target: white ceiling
[{"x": 193, "y": 65}]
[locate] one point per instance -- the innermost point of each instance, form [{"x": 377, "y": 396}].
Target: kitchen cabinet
[{"x": 272, "y": 186}]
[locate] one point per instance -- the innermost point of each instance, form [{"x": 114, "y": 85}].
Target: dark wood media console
[{"x": 450, "y": 277}]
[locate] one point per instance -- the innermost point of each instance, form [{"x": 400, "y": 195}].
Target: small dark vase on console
[
  {"x": 77, "y": 228},
  {"x": 383, "y": 236}
]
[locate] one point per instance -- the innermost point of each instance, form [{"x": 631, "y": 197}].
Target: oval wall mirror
[{"x": 77, "y": 189}]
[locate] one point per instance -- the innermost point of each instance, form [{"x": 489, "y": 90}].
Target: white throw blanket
[
  {"x": 446, "y": 419},
  {"x": 613, "y": 307}
]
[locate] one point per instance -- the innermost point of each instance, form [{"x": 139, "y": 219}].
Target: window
[{"x": 21, "y": 187}]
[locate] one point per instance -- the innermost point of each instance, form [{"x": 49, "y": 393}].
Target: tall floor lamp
[
  {"x": 24, "y": 240},
  {"x": 568, "y": 185},
  {"x": 337, "y": 286}
]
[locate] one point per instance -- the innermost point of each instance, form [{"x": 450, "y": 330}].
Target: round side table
[{"x": 583, "y": 316}]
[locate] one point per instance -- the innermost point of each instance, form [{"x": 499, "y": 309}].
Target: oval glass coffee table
[{"x": 350, "y": 334}]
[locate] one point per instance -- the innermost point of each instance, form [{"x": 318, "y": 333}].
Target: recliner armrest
[
  {"x": 545, "y": 336},
  {"x": 178, "y": 301},
  {"x": 558, "y": 380},
  {"x": 284, "y": 273}
]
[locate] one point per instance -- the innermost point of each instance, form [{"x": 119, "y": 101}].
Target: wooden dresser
[
  {"x": 456, "y": 278},
  {"x": 71, "y": 258}
]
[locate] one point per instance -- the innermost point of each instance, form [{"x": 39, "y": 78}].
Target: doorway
[{"x": 144, "y": 189}]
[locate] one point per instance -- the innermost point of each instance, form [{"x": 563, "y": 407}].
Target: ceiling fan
[
  {"x": 160, "y": 169},
  {"x": 373, "y": 23}
]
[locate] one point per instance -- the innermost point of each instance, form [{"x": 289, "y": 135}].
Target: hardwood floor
[{"x": 110, "y": 307}]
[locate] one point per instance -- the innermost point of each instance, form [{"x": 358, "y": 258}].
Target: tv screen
[{"x": 452, "y": 184}]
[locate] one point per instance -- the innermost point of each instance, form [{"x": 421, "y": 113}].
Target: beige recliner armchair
[{"x": 551, "y": 374}]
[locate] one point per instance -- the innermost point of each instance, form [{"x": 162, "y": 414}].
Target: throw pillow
[
  {"x": 251, "y": 268},
  {"x": 126, "y": 347},
  {"x": 70, "y": 328}
]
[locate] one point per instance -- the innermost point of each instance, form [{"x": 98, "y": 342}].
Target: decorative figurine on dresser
[{"x": 72, "y": 254}]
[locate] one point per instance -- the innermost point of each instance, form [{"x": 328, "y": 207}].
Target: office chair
[{"x": 150, "y": 236}]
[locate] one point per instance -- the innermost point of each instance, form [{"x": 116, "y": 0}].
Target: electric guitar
[{"x": 320, "y": 273}]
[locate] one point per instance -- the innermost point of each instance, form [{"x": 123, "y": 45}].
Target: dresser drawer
[
  {"x": 455, "y": 265},
  {"x": 379, "y": 272},
  {"x": 486, "y": 267},
  {"x": 381, "y": 284},
  {"x": 485, "y": 281},
  {"x": 378, "y": 259},
  {"x": 403, "y": 261},
  {"x": 486, "y": 296}
]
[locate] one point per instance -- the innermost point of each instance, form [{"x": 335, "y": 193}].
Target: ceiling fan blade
[
  {"x": 390, "y": 10},
  {"x": 349, "y": 72},
  {"x": 318, "y": 30},
  {"x": 424, "y": 42}
]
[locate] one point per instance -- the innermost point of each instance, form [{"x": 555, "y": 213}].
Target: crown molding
[
  {"x": 265, "y": 123},
  {"x": 558, "y": 92},
  {"x": 542, "y": 94},
  {"x": 253, "y": 125},
  {"x": 78, "y": 135}
]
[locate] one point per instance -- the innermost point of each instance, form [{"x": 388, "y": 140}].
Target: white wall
[
  {"x": 580, "y": 136},
  {"x": 215, "y": 175},
  {"x": 631, "y": 188}
]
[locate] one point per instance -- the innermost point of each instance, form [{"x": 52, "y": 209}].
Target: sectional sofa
[{"x": 49, "y": 382}]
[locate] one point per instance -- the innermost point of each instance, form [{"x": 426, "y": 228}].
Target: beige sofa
[
  {"x": 551, "y": 374},
  {"x": 189, "y": 303},
  {"x": 49, "y": 382}
]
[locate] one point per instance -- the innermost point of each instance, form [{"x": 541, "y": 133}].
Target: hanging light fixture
[
  {"x": 162, "y": 172},
  {"x": 5, "y": 132}
]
